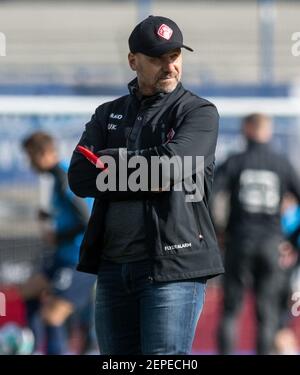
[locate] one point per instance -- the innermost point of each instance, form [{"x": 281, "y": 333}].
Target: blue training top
[
  {"x": 70, "y": 216},
  {"x": 290, "y": 222}
]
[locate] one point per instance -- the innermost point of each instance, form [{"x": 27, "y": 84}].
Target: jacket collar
[
  {"x": 251, "y": 144},
  {"x": 153, "y": 99}
]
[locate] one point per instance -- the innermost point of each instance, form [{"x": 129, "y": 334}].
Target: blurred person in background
[
  {"x": 286, "y": 341},
  {"x": 256, "y": 181},
  {"x": 58, "y": 291}
]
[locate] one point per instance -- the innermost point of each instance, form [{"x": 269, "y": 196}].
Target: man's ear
[{"x": 132, "y": 61}]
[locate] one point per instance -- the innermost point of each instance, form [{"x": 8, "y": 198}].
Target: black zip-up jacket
[
  {"x": 180, "y": 235},
  {"x": 257, "y": 180}
]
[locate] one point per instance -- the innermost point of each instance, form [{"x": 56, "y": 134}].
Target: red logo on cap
[{"x": 165, "y": 31}]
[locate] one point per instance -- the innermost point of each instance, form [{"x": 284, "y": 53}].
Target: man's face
[
  {"x": 157, "y": 74},
  {"x": 260, "y": 132}
]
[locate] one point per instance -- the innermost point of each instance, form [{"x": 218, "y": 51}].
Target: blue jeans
[{"x": 135, "y": 315}]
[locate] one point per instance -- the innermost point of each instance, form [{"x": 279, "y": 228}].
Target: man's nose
[{"x": 169, "y": 66}]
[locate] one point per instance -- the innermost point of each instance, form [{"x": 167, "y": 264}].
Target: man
[
  {"x": 152, "y": 250},
  {"x": 59, "y": 289},
  {"x": 256, "y": 181}
]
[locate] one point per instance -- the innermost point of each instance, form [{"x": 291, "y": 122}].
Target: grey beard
[{"x": 164, "y": 89}]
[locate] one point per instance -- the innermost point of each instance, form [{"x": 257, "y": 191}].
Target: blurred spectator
[
  {"x": 55, "y": 293},
  {"x": 286, "y": 341},
  {"x": 256, "y": 181}
]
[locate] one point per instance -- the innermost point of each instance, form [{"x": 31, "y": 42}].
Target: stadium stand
[{"x": 86, "y": 42}]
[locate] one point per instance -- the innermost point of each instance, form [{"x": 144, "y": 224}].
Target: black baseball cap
[{"x": 155, "y": 36}]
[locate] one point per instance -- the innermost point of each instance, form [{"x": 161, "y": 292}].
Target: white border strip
[
  {"x": 81, "y": 105},
  {"x": 41, "y": 105}
]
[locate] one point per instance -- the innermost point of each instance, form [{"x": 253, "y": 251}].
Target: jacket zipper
[
  {"x": 200, "y": 233},
  {"x": 147, "y": 207}
]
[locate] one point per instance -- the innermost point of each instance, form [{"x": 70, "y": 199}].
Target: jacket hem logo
[{"x": 178, "y": 246}]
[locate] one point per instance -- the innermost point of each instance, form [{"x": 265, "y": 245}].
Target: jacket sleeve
[
  {"x": 222, "y": 188},
  {"x": 224, "y": 176},
  {"x": 195, "y": 137},
  {"x": 82, "y": 174}
]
